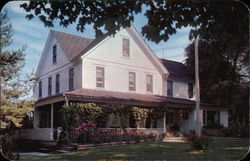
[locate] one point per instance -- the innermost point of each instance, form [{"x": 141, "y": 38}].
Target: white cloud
[{"x": 14, "y": 6}]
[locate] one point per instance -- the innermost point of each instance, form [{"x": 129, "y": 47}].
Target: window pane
[
  {"x": 190, "y": 90},
  {"x": 170, "y": 88},
  {"x": 54, "y": 54},
  {"x": 125, "y": 47},
  {"x": 49, "y": 86},
  {"x": 132, "y": 81},
  {"x": 40, "y": 89},
  {"x": 100, "y": 77},
  {"x": 149, "y": 83},
  {"x": 57, "y": 83},
  {"x": 71, "y": 79}
]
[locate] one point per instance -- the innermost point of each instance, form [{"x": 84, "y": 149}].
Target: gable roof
[
  {"x": 72, "y": 45},
  {"x": 177, "y": 70}
]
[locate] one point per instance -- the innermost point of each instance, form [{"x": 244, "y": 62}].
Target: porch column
[
  {"x": 164, "y": 121},
  {"x": 51, "y": 115},
  {"x": 51, "y": 121}
]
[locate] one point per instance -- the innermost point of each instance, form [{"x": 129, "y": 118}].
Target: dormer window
[
  {"x": 125, "y": 47},
  {"x": 54, "y": 54}
]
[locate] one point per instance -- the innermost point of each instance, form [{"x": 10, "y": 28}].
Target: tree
[
  {"x": 164, "y": 17},
  {"x": 12, "y": 88}
]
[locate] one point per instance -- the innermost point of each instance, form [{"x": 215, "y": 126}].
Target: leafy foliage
[
  {"x": 164, "y": 17},
  {"x": 14, "y": 102},
  {"x": 13, "y": 108},
  {"x": 198, "y": 142}
]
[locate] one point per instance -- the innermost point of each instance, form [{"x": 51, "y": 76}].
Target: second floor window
[
  {"x": 40, "y": 89},
  {"x": 71, "y": 79},
  {"x": 57, "y": 83},
  {"x": 149, "y": 83},
  {"x": 170, "y": 88},
  {"x": 190, "y": 90},
  {"x": 125, "y": 47},
  {"x": 100, "y": 77},
  {"x": 132, "y": 81},
  {"x": 54, "y": 54},
  {"x": 49, "y": 86}
]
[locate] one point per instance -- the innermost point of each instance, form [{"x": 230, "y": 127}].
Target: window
[
  {"x": 57, "y": 83},
  {"x": 170, "y": 89},
  {"x": 49, "y": 86},
  {"x": 212, "y": 117},
  {"x": 125, "y": 47},
  {"x": 54, "y": 54},
  {"x": 71, "y": 79},
  {"x": 40, "y": 89},
  {"x": 149, "y": 83},
  {"x": 132, "y": 80},
  {"x": 44, "y": 119},
  {"x": 100, "y": 77},
  {"x": 190, "y": 90}
]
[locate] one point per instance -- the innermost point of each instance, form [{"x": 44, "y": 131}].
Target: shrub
[
  {"x": 85, "y": 131},
  {"x": 213, "y": 125},
  {"x": 198, "y": 143}
]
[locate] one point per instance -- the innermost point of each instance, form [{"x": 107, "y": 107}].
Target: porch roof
[
  {"x": 104, "y": 96},
  {"x": 123, "y": 96}
]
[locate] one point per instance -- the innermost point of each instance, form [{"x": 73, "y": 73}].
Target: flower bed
[{"x": 87, "y": 133}]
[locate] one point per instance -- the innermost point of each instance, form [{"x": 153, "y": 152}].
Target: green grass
[{"x": 219, "y": 151}]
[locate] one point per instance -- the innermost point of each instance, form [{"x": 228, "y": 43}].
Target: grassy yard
[{"x": 219, "y": 151}]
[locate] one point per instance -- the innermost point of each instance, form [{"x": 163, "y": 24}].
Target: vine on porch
[{"x": 76, "y": 113}]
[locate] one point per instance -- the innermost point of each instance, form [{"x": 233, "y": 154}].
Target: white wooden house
[{"x": 113, "y": 70}]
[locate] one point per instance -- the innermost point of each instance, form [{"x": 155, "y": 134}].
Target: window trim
[
  {"x": 102, "y": 81},
  {"x": 134, "y": 81}
]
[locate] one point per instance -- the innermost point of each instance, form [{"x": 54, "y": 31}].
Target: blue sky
[{"x": 33, "y": 34}]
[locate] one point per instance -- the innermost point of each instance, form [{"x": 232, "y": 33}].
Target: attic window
[
  {"x": 54, "y": 54},
  {"x": 125, "y": 47}
]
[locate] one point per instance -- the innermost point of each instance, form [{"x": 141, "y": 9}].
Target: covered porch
[{"x": 176, "y": 113}]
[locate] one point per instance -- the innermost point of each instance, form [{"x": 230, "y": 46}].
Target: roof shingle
[
  {"x": 176, "y": 69},
  {"x": 72, "y": 45},
  {"x": 83, "y": 92}
]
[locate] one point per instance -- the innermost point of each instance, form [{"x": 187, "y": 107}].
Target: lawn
[{"x": 219, "y": 150}]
